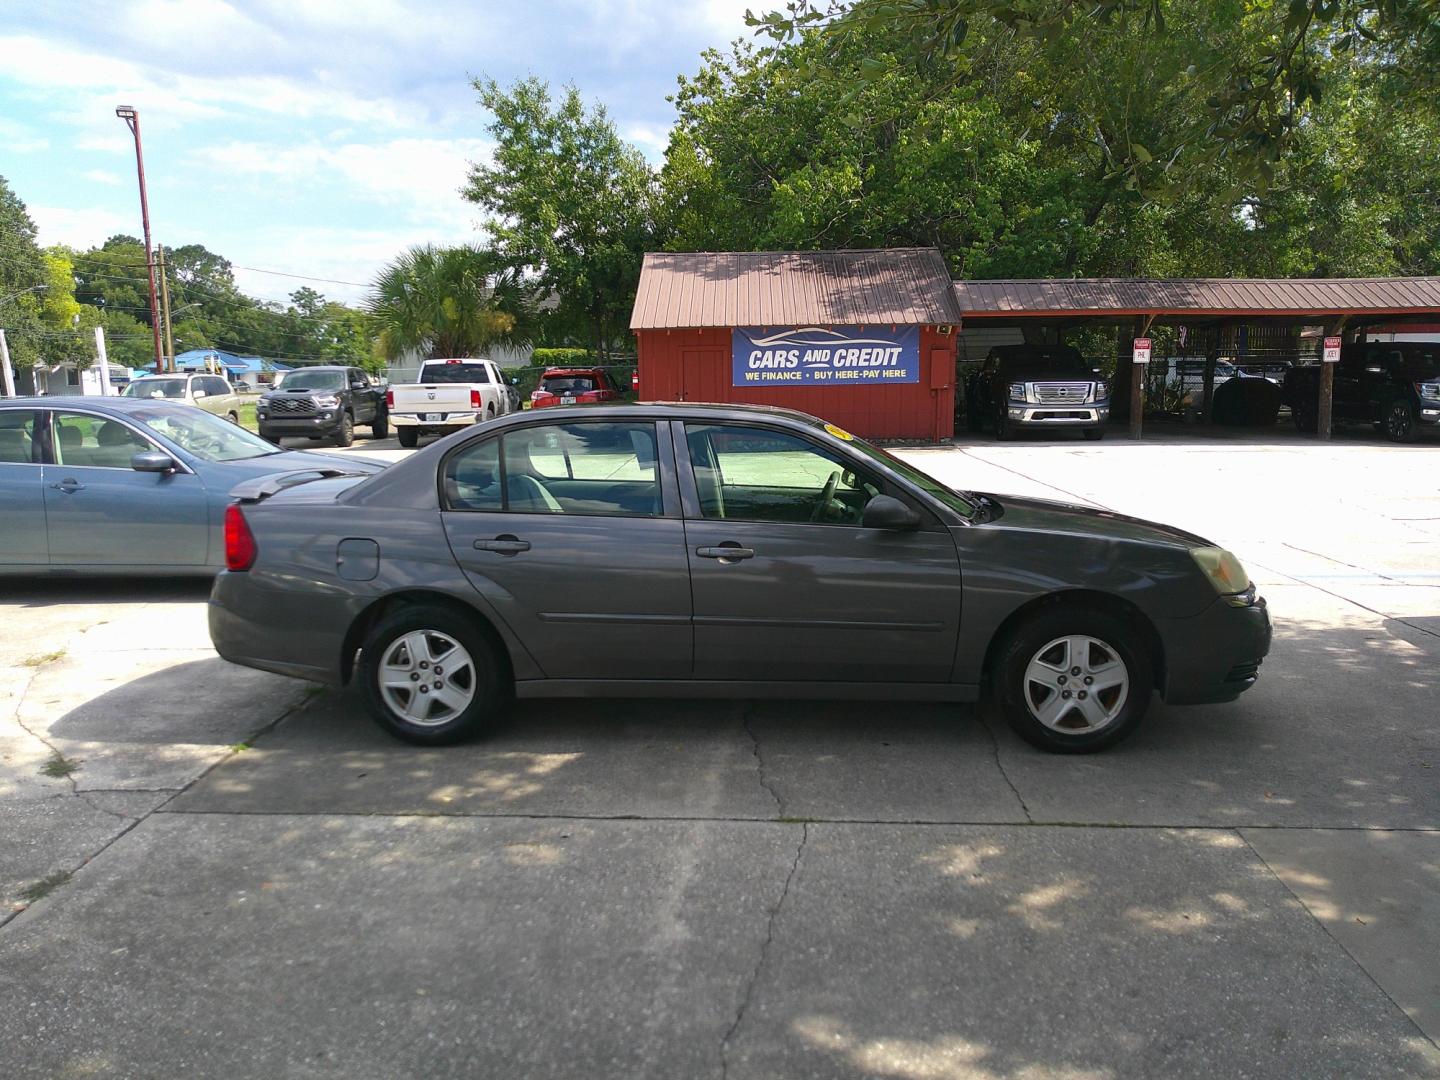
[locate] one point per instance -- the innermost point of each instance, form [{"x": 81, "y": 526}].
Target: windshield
[
  {"x": 444, "y": 373},
  {"x": 207, "y": 437},
  {"x": 1022, "y": 363},
  {"x": 315, "y": 380},
  {"x": 157, "y": 388},
  {"x": 568, "y": 384},
  {"x": 965, "y": 504}
]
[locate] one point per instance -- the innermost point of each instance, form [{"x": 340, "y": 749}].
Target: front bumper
[
  {"x": 320, "y": 423},
  {"x": 1214, "y": 656},
  {"x": 1058, "y": 415}
]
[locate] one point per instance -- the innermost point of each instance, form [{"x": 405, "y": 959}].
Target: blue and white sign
[{"x": 815, "y": 356}]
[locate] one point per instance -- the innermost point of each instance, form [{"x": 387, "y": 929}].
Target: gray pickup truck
[{"x": 1037, "y": 387}]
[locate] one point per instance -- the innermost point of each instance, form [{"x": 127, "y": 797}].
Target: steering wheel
[{"x": 827, "y": 494}]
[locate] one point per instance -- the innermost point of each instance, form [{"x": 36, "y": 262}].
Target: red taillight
[
  {"x": 240, "y": 549},
  {"x": 389, "y": 399},
  {"x": 475, "y": 399}
]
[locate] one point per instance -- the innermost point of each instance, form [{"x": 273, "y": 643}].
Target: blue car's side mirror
[{"x": 152, "y": 461}]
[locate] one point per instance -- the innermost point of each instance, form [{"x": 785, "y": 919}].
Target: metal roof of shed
[
  {"x": 899, "y": 286},
  {"x": 1198, "y": 296}
]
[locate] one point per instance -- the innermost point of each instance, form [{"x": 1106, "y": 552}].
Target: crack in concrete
[
  {"x": 745, "y": 715},
  {"x": 1333, "y": 939},
  {"x": 754, "y": 979},
  {"x": 132, "y": 823},
  {"x": 995, "y": 745}
]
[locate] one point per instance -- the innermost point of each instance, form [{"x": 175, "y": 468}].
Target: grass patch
[
  {"x": 247, "y": 417},
  {"x": 240, "y": 748},
  {"x": 41, "y": 659},
  {"x": 44, "y": 887},
  {"x": 59, "y": 767}
]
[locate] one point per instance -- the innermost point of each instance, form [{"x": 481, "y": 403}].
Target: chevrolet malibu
[{"x": 719, "y": 551}]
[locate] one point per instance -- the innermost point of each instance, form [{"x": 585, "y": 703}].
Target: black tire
[
  {"x": 233, "y": 417},
  {"x": 408, "y": 437},
  {"x": 1003, "y": 431},
  {"x": 380, "y": 429},
  {"x": 1307, "y": 422},
  {"x": 1400, "y": 421},
  {"x": 345, "y": 432},
  {"x": 1094, "y": 434},
  {"x": 489, "y": 683},
  {"x": 1029, "y": 642},
  {"x": 268, "y": 437}
]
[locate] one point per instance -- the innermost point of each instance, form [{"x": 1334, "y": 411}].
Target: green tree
[
  {"x": 448, "y": 302},
  {"x": 22, "y": 268},
  {"x": 1234, "y": 76},
  {"x": 572, "y": 202}
]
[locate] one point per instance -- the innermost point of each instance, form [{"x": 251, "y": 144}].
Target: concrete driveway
[{"x": 242, "y": 877}]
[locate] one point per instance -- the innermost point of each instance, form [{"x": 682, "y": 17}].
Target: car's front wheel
[
  {"x": 345, "y": 432},
  {"x": 430, "y": 676},
  {"x": 380, "y": 429},
  {"x": 1400, "y": 421},
  {"x": 1073, "y": 680}
]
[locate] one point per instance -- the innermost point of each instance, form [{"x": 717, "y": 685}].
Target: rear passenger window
[
  {"x": 583, "y": 468},
  {"x": 95, "y": 442},
  {"x": 17, "y": 436}
]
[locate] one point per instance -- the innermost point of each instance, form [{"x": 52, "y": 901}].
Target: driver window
[
  {"x": 752, "y": 474},
  {"x": 91, "y": 441}
]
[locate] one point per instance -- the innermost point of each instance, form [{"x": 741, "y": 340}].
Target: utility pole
[
  {"x": 165, "y": 305},
  {"x": 132, "y": 120}
]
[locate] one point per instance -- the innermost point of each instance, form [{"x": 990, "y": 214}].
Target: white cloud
[
  {"x": 651, "y": 139},
  {"x": 80, "y": 228},
  {"x": 420, "y": 177},
  {"x": 103, "y": 176}
]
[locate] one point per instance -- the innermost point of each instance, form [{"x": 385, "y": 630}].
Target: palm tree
[{"x": 449, "y": 302}]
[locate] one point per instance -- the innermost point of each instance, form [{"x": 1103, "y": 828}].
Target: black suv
[
  {"x": 323, "y": 403},
  {"x": 1393, "y": 385}
]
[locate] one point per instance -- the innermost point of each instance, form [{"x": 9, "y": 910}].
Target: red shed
[{"x": 865, "y": 339}]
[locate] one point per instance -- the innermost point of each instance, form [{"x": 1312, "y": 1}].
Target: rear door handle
[
  {"x": 503, "y": 545},
  {"x": 726, "y": 551},
  {"x": 68, "y": 486}
]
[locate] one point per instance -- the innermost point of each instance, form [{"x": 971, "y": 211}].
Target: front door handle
[
  {"x": 503, "y": 545},
  {"x": 729, "y": 551},
  {"x": 68, "y": 486}
]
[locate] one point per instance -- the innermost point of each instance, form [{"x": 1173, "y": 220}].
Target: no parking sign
[
  {"x": 1142, "y": 350},
  {"x": 1332, "y": 350}
]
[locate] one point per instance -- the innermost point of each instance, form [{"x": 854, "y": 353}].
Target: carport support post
[
  {"x": 7, "y": 373},
  {"x": 103, "y": 359},
  {"x": 1137, "y": 382},
  {"x": 1327, "y": 391}
]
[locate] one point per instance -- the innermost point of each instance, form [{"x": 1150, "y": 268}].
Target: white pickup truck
[{"x": 449, "y": 394}]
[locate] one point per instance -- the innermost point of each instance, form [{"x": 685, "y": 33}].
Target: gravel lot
[{"x": 211, "y": 871}]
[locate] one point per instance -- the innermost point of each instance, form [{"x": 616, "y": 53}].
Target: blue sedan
[{"x": 127, "y": 486}]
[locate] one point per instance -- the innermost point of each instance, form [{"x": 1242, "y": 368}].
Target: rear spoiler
[{"x": 262, "y": 487}]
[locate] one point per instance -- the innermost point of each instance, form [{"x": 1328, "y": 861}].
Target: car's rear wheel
[
  {"x": 345, "y": 433},
  {"x": 1073, "y": 680},
  {"x": 380, "y": 429},
  {"x": 1400, "y": 421},
  {"x": 408, "y": 437},
  {"x": 430, "y": 676},
  {"x": 233, "y": 417}
]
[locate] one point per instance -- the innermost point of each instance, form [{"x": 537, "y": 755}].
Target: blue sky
[{"x": 319, "y": 137}]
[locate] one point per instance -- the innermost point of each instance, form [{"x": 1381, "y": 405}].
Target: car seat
[
  {"x": 114, "y": 446},
  {"x": 525, "y": 494},
  {"x": 15, "y": 446}
]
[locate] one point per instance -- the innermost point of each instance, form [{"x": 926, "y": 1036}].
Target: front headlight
[
  {"x": 327, "y": 401},
  {"x": 1225, "y": 573},
  {"x": 1017, "y": 391},
  {"x": 1428, "y": 391},
  {"x": 1101, "y": 391}
]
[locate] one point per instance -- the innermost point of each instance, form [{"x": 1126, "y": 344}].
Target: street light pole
[{"x": 132, "y": 121}]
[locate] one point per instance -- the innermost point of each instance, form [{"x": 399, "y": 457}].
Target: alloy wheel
[
  {"x": 427, "y": 678},
  {"x": 1076, "y": 684},
  {"x": 1399, "y": 421}
]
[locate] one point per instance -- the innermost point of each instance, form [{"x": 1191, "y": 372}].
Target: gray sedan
[
  {"x": 127, "y": 485},
  {"x": 720, "y": 551}
]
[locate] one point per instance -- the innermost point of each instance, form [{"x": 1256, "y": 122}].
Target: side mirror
[
  {"x": 885, "y": 512},
  {"x": 152, "y": 461}
]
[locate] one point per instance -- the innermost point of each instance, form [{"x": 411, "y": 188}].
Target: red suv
[{"x": 573, "y": 386}]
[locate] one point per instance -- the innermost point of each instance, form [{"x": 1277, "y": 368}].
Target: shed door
[
  {"x": 702, "y": 374},
  {"x": 942, "y": 392}
]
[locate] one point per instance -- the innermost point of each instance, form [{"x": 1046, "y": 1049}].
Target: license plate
[
  {"x": 567, "y": 399},
  {"x": 430, "y": 416}
]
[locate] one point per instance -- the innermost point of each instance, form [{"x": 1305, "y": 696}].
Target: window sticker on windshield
[{"x": 839, "y": 433}]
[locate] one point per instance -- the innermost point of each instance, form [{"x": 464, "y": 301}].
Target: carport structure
[{"x": 1208, "y": 308}]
